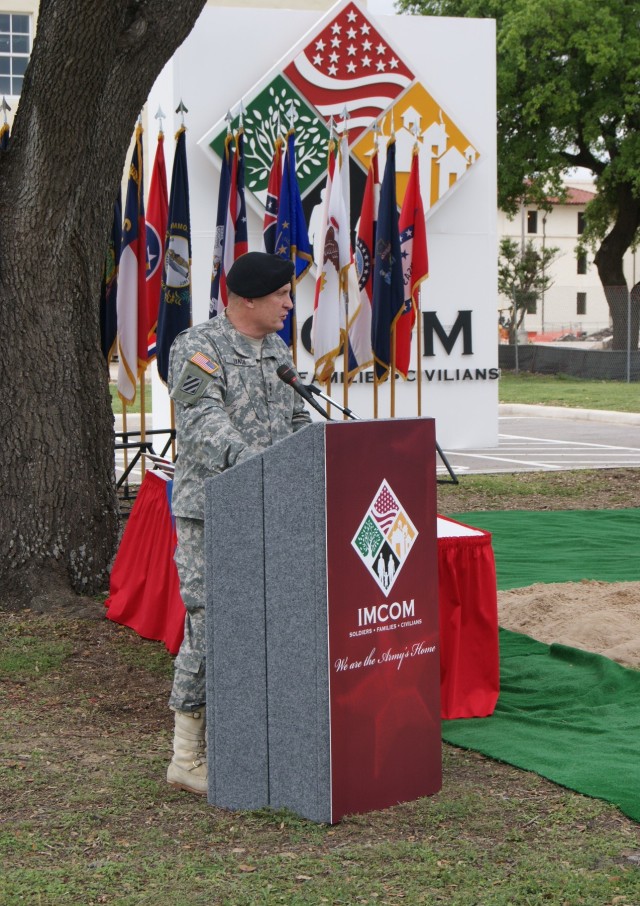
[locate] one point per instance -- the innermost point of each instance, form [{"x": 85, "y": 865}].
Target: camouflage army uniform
[{"x": 228, "y": 407}]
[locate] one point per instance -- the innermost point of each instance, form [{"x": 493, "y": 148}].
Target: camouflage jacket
[{"x": 228, "y": 406}]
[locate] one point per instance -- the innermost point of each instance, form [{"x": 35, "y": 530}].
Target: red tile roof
[{"x": 574, "y": 196}]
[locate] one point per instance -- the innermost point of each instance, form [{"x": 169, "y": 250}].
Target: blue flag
[
  {"x": 174, "y": 313},
  {"x": 292, "y": 238},
  {"x": 109, "y": 292},
  {"x": 388, "y": 285}
]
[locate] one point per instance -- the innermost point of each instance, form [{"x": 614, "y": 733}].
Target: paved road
[
  {"x": 534, "y": 439},
  {"x": 539, "y": 438}
]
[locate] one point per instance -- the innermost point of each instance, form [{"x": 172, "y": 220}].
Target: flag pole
[
  {"x": 294, "y": 322},
  {"x": 124, "y": 435},
  {"x": 392, "y": 401},
  {"x": 143, "y": 422},
  {"x": 416, "y": 149},
  {"x": 344, "y": 289},
  {"x": 419, "y": 351},
  {"x": 291, "y": 116},
  {"x": 172, "y": 425}
]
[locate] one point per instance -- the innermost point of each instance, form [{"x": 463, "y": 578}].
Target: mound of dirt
[{"x": 603, "y": 617}]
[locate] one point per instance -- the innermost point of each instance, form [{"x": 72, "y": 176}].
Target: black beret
[{"x": 256, "y": 274}]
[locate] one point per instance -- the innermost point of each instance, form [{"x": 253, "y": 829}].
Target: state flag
[
  {"x": 218, "y": 296},
  {"x": 388, "y": 288},
  {"x": 415, "y": 264},
  {"x": 360, "y": 351},
  {"x": 157, "y": 209},
  {"x": 292, "y": 237},
  {"x": 174, "y": 313},
  {"x": 238, "y": 208},
  {"x": 274, "y": 188},
  {"x": 133, "y": 322},
  {"x": 329, "y": 310}
]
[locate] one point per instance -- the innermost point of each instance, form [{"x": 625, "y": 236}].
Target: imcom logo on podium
[
  {"x": 384, "y": 669},
  {"x": 385, "y": 537}
]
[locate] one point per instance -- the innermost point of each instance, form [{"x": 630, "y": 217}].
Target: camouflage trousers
[{"x": 188, "y": 693}]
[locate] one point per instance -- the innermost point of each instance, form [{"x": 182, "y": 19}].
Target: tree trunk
[
  {"x": 609, "y": 261},
  {"x": 91, "y": 69}
]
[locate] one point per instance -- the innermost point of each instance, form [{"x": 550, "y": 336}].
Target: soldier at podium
[{"x": 229, "y": 404}]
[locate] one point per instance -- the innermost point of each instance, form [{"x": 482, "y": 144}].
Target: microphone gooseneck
[{"x": 291, "y": 377}]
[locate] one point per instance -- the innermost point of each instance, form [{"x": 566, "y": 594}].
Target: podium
[{"x": 323, "y": 678}]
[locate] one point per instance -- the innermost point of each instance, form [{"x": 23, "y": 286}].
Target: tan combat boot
[{"x": 188, "y": 768}]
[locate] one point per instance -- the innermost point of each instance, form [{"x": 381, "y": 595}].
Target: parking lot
[{"x": 537, "y": 438}]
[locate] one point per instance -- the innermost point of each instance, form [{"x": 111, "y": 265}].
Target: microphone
[
  {"x": 291, "y": 377},
  {"x": 316, "y": 390}
]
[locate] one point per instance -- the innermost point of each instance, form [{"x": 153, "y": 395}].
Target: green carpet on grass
[
  {"x": 562, "y": 546},
  {"x": 569, "y": 715}
]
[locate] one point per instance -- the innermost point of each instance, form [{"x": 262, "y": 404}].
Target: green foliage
[
  {"x": 567, "y": 79},
  {"x": 567, "y": 90},
  {"x": 523, "y": 277}
]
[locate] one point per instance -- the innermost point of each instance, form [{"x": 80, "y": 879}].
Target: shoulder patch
[{"x": 201, "y": 360}]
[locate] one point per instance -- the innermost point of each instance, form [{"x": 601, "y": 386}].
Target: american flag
[
  {"x": 349, "y": 64},
  {"x": 203, "y": 362},
  {"x": 385, "y": 507}
]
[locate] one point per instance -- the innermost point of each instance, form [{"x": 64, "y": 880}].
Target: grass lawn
[
  {"x": 88, "y": 818},
  {"x": 563, "y": 390},
  {"x": 536, "y": 389},
  {"x": 116, "y": 402}
]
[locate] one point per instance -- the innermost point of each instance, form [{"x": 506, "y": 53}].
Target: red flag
[
  {"x": 360, "y": 352},
  {"x": 157, "y": 212},
  {"x": 415, "y": 263},
  {"x": 273, "y": 199}
]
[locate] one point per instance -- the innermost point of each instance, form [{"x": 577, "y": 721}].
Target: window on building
[
  {"x": 15, "y": 47},
  {"x": 582, "y": 263},
  {"x": 581, "y": 304},
  {"x": 532, "y": 221},
  {"x": 581, "y": 223}
]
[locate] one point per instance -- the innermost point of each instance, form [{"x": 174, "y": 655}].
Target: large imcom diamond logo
[
  {"x": 385, "y": 538},
  {"x": 344, "y": 64}
]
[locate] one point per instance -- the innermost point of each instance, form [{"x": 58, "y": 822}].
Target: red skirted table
[
  {"x": 145, "y": 595},
  {"x": 469, "y": 656},
  {"x": 144, "y": 591}
]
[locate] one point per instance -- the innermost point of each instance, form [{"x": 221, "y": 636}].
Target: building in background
[
  {"x": 574, "y": 304},
  {"x": 17, "y": 28}
]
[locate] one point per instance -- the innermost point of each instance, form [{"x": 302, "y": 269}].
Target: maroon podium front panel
[{"x": 382, "y": 586}]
